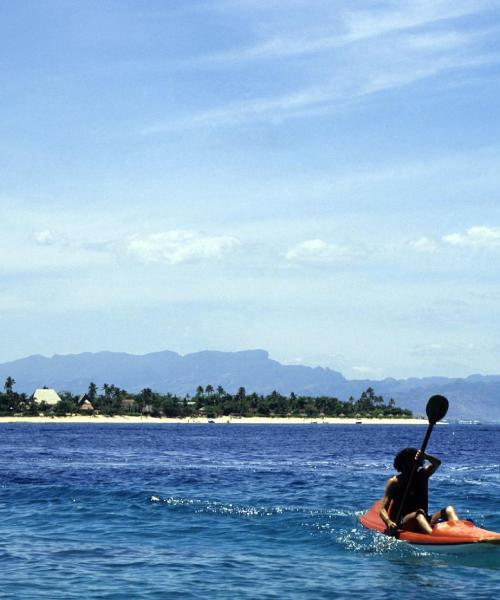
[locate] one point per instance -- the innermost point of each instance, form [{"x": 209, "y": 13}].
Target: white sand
[{"x": 233, "y": 420}]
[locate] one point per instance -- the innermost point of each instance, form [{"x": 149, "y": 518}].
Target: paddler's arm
[
  {"x": 434, "y": 465},
  {"x": 384, "y": 505}
]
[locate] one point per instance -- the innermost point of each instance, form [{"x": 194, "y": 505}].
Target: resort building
[
  {"x": 86, "y": 406},
  {"x": 47, "y": 395},
  {"x": 128, "y": 404}
]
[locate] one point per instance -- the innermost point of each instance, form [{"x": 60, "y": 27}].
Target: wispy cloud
[
  {"x": 424, "y": 244},
  {"x": 75, "y": 242},
  {"x": 410, "y": 14},
  {"x": 348, "y": 27},
  {"x": 320, "y": 252},
  {"x": 328, "y": 97},
  {"x": 179, "y": 246},
  {"x": 415, "y": 42},
  {"x": 259, "y": 109}
]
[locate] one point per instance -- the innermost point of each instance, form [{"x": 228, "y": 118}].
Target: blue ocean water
[{"x": 231, "y": 511}]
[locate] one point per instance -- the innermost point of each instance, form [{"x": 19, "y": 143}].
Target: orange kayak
[{"x": 443, "y": 534}]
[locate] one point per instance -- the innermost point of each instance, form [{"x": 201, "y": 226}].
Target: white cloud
[
  {"x": 320, "y": 252},
  {"x": 424, "y": 244},
  {"x": 475, "y": 237},
  {"x": 178, "y": 246},
  {"x": 479, "y": 236},
  {"x": 368, "y": 371},
  {"x": 45, "y": 237}
]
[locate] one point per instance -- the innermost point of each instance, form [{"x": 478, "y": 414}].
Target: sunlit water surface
[{"x": 231, "y": 511}]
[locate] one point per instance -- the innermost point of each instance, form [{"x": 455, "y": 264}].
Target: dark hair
[{"x": 404, "y": 460}]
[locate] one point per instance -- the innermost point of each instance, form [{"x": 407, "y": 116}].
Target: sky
[{"x": 320, "y": 179}]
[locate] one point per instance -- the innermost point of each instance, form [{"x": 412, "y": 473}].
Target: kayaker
[{"x": 415, "y": 512}]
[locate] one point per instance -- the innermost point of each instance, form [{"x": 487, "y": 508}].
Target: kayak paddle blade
[{"x": 436, "y": 408}]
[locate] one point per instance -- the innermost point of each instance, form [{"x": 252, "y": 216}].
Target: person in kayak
[{"x": 415, "y": 511}]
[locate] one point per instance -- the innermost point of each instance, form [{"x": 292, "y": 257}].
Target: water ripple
[{"x": 229, "y": 512}]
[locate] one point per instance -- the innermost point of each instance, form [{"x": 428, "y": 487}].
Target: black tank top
[{"x": 417, "y": 498}]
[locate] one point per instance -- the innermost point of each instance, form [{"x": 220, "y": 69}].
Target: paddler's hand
[{"x": 391, "y": 529}]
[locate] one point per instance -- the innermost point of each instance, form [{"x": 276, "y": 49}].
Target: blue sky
[{"x": 318, "y": 179}]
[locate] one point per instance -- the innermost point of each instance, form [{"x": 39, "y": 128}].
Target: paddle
[{"x": 436, "y": 409}]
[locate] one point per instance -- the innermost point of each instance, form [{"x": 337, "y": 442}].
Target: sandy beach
[{"x": 125, "y": 419}]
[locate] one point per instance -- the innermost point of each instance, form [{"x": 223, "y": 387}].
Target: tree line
[{"x": 207, "y": 401}]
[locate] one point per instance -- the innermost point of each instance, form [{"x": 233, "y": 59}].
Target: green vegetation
[{"x": 207, "y": 401}]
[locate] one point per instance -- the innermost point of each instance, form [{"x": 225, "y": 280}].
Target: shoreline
[{"x": 134, "y": 420}]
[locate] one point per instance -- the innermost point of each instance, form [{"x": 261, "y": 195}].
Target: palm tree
[
  {"x": 92, "y": 392},
  {"x": 8, "y": 385}
]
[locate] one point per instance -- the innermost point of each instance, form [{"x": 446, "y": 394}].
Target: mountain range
[{"x": 476, "y": 397}]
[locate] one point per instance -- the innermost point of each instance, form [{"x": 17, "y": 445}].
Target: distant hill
[{"x": 475, "y": 397}]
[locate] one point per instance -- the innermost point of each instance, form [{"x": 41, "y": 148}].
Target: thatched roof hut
[
  {"x": 47, "y": 395},
  {"x": 128, "y": 404},
  {"x": 86, "y": 406}
]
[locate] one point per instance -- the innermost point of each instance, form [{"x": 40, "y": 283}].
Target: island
[{"x": 207, "y": 404}]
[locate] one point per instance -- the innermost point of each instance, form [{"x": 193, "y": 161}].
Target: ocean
[{"x": 231, "y": 511}]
